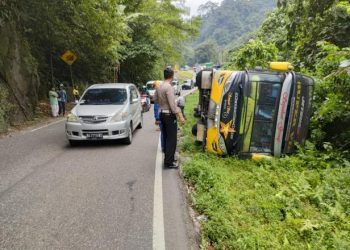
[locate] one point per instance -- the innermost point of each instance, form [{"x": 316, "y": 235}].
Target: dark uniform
[{"x": 165, "y": 96}]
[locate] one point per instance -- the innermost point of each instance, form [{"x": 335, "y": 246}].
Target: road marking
[
  {"x": 158, "y": 217},
  {"x": 47, "y": 125}
]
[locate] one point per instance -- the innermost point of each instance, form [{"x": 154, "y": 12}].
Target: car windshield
[
  {"x": 104, "y": 97},
  {"x": 150, "y": 86}
]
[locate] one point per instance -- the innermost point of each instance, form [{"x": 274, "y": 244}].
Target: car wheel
[
  {"x": 128, "y": 140},
  {"x": 141, "y": 123},
  {"x": 73, "y": 143}
]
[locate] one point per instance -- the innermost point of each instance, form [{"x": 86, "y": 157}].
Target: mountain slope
[{"x": 232, "y": 20}]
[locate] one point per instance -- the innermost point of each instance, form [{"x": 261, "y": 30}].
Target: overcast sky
[{"x": 194, "y": 4}]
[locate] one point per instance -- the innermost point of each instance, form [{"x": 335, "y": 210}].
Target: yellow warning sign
[{"x": 69, "y": 57}]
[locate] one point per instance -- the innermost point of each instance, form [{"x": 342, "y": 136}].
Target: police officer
[{"x": 169, "y": 113}]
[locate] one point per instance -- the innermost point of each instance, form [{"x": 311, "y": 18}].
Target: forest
[
  {"x": 113, "y": 40},
  {"x": 226, "y": 26}
]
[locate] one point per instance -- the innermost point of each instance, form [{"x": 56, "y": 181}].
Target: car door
[{"x": 134, "y": 106}]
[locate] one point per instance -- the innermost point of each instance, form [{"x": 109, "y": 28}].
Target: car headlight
[
  {"x": 72, "y": 118},
  {"x": 122, "y": 116}
]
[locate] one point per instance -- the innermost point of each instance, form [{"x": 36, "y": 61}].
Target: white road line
[
  {"x": 158, "y": 217},
  {"x": 47, "y": 125}
]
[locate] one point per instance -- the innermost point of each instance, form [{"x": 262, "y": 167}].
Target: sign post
[{"x": 69, "y": 58}]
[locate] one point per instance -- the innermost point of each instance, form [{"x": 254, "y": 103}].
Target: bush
[
  {"x": 331, "y": 120},
  {"x": 295, "y": 202},
  {"x": 5, "y": 109},
  {"x": 254, "y": 53}
]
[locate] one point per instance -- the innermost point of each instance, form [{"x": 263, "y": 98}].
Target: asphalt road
[{"x": 95, "y": 196}]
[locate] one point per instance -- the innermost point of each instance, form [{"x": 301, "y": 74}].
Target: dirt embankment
[{"x": 18, "y": 77}]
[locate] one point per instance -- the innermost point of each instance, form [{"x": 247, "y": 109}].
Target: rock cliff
[{"x": 18, "y": 76}]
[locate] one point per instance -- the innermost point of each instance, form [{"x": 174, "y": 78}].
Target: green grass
[
  {"x": 299, "y": 202},
  {"x": 183, "y": 75}
]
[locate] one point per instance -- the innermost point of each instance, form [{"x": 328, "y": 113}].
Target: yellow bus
[{"x": 253, "y": 111}]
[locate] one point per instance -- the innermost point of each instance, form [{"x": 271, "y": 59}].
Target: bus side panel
[
  {"x": 302, "y": 112},
  {"x": 282, "y": 116},
  {"x": 306, "y": 109},
  {"x": 293, "y": 112},
  {"x": 231, "y": 112},
  {"x": 219, "y": 81},
  {"x": 213, "y": 142}
]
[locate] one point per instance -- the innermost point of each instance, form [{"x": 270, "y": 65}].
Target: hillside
[{"x": 232, "y": 20}]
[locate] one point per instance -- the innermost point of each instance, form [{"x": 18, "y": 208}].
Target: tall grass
[{"x": 297, "y": 202}]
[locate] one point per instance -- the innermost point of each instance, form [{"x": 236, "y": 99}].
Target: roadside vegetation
[
  {"x": 225, "y": 26},
  {"x": 5, "y": 109},
  {"x": 183, "y": 75},
  {"x": 295, "y": 202},
  {"x": 113, "y": 40}
]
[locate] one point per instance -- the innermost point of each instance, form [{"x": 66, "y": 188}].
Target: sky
[{"x": 194, "y": 4}]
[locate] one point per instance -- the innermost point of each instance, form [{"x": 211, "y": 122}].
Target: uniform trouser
[
  {"x": 169, "y": 124},
  {"x": 162, "y": 141}
]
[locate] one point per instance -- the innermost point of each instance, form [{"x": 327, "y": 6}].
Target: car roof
[{"x": 111, "y": 85}]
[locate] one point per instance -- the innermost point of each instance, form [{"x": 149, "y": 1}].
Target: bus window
[
  {"x": 262, "y": 138},
  {"x": 269, "y": 77},
  {"x": 264, "y": 117}
]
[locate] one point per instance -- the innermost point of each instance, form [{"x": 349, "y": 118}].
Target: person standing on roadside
[
  {"x": 76, "y": 94},
  {"x": 53, "y": 101},
  {"x": 180, "y": 102},
  {"x": 62, "y": 100},
  {"x": 169, "y": 113}
]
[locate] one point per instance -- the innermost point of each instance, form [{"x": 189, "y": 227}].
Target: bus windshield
[{"x": 261, "y": 111}]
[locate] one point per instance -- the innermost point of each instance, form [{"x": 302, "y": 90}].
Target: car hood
[{"x": 97, "y": 110}]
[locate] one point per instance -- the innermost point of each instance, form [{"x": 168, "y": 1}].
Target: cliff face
[{"x": 18, "y": 75}]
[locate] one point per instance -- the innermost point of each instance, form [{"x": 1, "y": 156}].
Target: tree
[
  {"x": 158, "y": 34},
  {"x": 207, "y": 52},
  {"x": 331, "y": 120},
  {"x": 298, "y": 25},
  {"x": 254, "y": 53},
  {"x": 140, "y": 36},
  {"x": 228, "y": 22}
]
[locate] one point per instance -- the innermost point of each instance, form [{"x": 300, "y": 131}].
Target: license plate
[{"x": 94, "y": 136}]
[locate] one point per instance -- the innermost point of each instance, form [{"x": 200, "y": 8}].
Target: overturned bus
[{"x": 253, "y": 112}]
